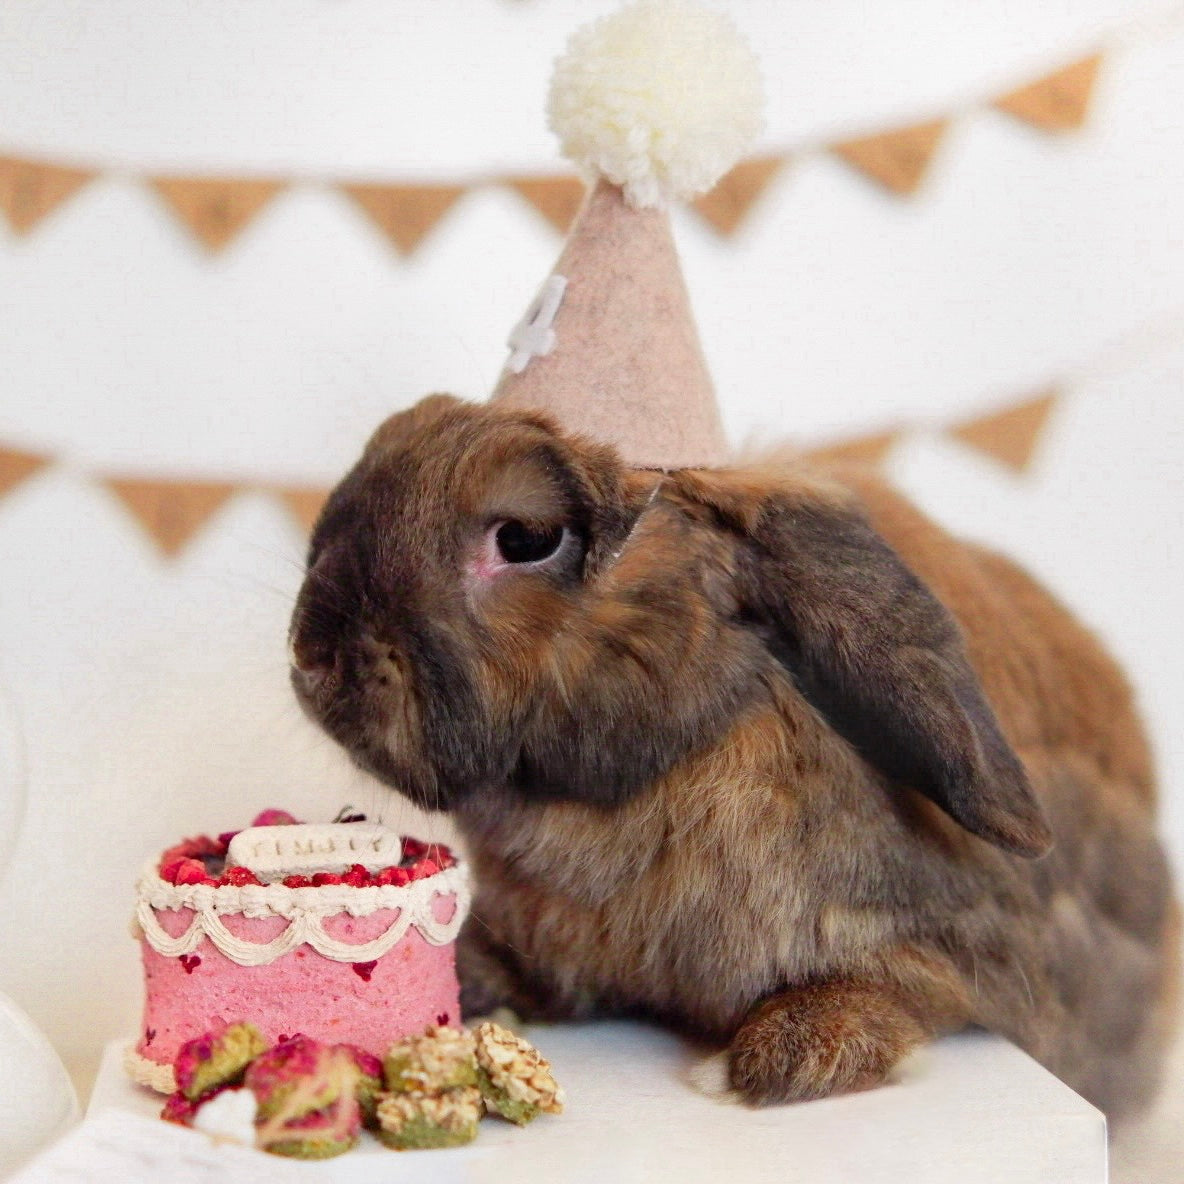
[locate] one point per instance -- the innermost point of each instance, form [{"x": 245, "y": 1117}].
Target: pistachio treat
[
  {"x": 441, "y": 1059},
  {"x": 417, "y": 1122},
  {"x": 515, "y": 1078}
]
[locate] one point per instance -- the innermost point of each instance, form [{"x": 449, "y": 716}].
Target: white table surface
[{"x": 971, "y": 1109}]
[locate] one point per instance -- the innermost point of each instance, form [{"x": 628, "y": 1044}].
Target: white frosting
[
  {"x": 305, "y": 908},
  {"x": 273, "y": 852},
  {"x": 230, "y": 1115},
  {"x": 152, "y": 1074}
]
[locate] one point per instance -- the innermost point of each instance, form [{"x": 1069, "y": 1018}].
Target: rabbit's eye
[{"x": 519, "y": 543}]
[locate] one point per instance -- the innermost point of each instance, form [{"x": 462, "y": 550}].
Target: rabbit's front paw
[{"x": 828, "y": 1038}]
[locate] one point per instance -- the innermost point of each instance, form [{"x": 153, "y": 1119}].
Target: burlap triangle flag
[
  {"x": 1010, "y": 436},
  {"x": 171, "y": 511},
  {"x": 1058, "y": 102},
  {"x": 896, "y": 159},
  {"x": 216, "y": 209},
  {"x": 405, "y": 213},
  {"x": 728, "y": 204},
  {"x": 302, "y": 502},
  {"x": 29, "y": 190},
  {"x": 557, "y": 198},
  {"x": 864, "y": 450},
  {"x": 16, "y": 466}
]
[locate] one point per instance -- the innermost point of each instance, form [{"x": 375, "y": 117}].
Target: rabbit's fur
[{"x": 760, "y": 752}]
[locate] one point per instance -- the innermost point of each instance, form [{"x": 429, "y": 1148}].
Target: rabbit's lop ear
[{"x": 875, "y": 652}]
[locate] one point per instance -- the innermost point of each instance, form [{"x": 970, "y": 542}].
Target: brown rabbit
[{"x": 759, "y": 752}]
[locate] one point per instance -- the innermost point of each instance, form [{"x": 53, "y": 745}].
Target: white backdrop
[{"x": 152, "y": 694}]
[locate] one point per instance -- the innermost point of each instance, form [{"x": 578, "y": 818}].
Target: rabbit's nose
[{"x": 315, "y": 661}]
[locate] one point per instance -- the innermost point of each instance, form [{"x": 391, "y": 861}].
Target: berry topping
[
  {"x": 423, "y": 869},
  {"x": 398, "y": 876},
  {"x": 239, "y": 877},
  {"x": 320, "y": 879},
  {"x": 297, "y": 882},
  {"x": 184, "y": 870},
  {"x": 275, "y": 818},
  {"x": 414, "y": 848},
  {"x": 190, "y": 961},
  {"x": 357, "y": 876},
  {"x": 363, "y": 970}
]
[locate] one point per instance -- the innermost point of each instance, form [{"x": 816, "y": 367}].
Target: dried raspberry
[
  {"x": 442, "y": 855},
  {"x": 297, "y": 882},
  {"x": 224, "y": 839},
  {"x": 194, "y": 848},
  {"x": 179, "y": 1109},
  {"x": 239, "y": 877},
  {"x": 190, "y": 961},
  {"x": 275, "y": 818},
  {"x": 423, "y": 869},
  {"x": 363, "y": 970},
  {"x": 357, "y": 877},
  {"x": 398, "y": 876},
  {"x": 320, "y": 879},
  {"x": 186, "y": 871},
  {"x": 414, "y": 848}
]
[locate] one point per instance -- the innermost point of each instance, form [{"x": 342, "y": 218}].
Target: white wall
[{"x": 152, "y": 694}]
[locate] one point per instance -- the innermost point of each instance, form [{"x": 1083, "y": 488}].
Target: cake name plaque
[{"x": 273, "y": 852}]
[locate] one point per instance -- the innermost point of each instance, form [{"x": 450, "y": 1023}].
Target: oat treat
[
  {"x": 441, "y": 1059},
  {"x": 417, "y": 1122},
  {"x": 514, "y": 1077}
]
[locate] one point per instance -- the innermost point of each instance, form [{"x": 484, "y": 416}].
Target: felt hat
[{"x": 655, "y": 103}]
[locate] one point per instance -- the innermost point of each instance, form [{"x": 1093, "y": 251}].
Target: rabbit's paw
[{"x": 828, "y": 1038}]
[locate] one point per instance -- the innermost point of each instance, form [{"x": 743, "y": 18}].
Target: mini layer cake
[{"x": 341, "y": 931}]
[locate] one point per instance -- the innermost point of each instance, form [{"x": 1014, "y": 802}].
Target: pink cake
[{"x": 342, "y": 931}]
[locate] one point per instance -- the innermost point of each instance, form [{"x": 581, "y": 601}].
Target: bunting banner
[
  {"x": 174, "y": 511},
  {"x": 898, "y": 159},
  {"x": 217, "y": 209},
  {"x": 16, "y": 466}
]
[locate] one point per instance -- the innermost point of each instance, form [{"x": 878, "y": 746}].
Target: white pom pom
[{"x": 662, "y": 98}]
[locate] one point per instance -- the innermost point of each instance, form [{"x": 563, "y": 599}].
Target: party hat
[{"x": 654, "y": 103}]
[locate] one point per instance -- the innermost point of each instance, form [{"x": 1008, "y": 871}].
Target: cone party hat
[{"x": 655, "y": 103}]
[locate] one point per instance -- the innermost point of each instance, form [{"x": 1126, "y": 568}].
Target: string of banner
[
  {"x": 216, "y": 209},
  {"x": 174, "y": 510}
]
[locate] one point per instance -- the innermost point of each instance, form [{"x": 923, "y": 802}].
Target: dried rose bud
[{"x": 216, "y": 1059}]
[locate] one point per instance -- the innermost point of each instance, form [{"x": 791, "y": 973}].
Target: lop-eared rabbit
[{"x": 761, "y": 753}]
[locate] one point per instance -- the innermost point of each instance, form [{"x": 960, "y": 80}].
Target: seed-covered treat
[
  {"x": 514, "y": 1077},
  {"x": 440, "y": 1059},
  {"x": 344, "y": 931},
  {"x": 418, "y": 1122}
]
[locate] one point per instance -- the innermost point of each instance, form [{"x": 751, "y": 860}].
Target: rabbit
[{"x": 760, "y": 753}]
